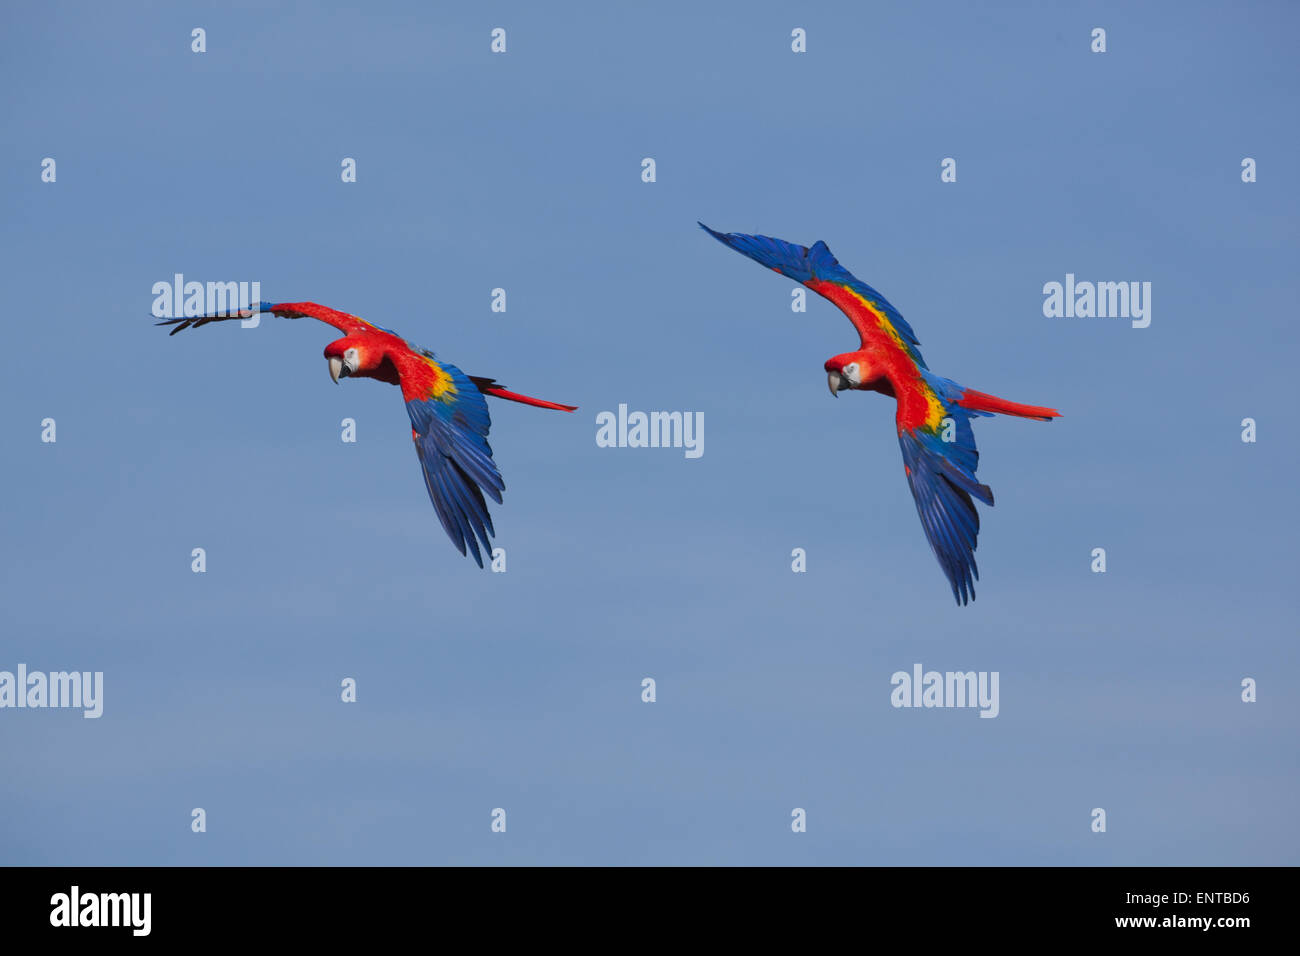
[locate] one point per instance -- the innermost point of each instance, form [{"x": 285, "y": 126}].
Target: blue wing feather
[
  {"x": 947, "y": 513},
  {"x": 941, "y": 475},
  {"x": 803, "y": 264},
  {"x": 451, "y": 441}
]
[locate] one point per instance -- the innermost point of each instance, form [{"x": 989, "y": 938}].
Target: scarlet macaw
[
  {"x": 934, "y": 413},
  {"x": 449, "y": 416}
]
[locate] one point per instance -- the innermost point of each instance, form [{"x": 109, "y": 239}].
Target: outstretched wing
[
  {"x": 449, "y": 424},
  {"x": 878, "y": 323},
  {"x": 342, "y": 321},
  {"x": 940, "y": 459}
]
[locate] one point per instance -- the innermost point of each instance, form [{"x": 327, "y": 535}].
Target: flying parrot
[
  {"x": 449, "y": 415},
  {"x": 934, "y": 414}
]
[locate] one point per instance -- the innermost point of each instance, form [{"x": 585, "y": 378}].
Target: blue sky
[{"x": 522, "y": 690}]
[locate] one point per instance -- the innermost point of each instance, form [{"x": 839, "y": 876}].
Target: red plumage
[{"x": 983, "y": 402}]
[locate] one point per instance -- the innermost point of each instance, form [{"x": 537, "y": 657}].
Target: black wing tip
[
  {"x": 963, "y": 589},
  {"x": 182, "y": 323},
  {"x": 194, "y": 321},
  {"x": 965, "y": 594}
]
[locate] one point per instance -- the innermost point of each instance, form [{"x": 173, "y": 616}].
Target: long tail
[
  {"x": 983, "y": 402},
  {"x": 490, "y": 386}
]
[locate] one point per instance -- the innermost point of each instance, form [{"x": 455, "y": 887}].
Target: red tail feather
[
  {"x": 489, "y": 386},
  {"x": 982, "y": 402}
]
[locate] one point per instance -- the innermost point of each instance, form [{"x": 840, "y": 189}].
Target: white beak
[{"x": 336, "y": 366}]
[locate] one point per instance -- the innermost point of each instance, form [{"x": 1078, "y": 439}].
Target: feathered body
[
  {"x": 934, "y": 414},
  {"x": 448, "y": 412}
]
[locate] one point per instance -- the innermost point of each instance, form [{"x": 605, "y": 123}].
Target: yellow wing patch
[
  {"x": 885, "y": 325},
  {"x": 442, "y": 384},
  {"x": 936, "y": 412}
]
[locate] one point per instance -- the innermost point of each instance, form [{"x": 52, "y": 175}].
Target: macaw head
[
  {"x": 352, "y": 355},
  {"x": 850, "y": 370}
]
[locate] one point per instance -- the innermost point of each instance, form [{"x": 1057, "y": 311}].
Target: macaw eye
[
  {"x": 350, "y": 355},
  {"x": 851, "y": 369}
]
